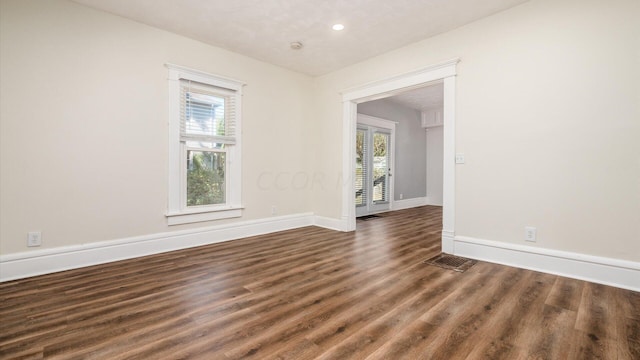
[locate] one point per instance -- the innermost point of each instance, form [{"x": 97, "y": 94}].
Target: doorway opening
[
  {"x": 416, "y": 149},
  {"x": 445, "y": 73}
]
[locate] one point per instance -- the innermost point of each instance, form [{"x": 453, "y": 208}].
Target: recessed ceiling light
[{"x": 337, "y": 27}]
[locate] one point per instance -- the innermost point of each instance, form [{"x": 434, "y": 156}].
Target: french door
[{"x": 373, "y": 182}]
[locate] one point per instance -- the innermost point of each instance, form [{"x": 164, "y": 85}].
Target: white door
[{"x": 373, "y": 178}]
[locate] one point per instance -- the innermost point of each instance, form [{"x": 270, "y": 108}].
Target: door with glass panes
[{"x": 373, "y": 169}]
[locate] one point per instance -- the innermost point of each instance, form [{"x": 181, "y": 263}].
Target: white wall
[
  {"x": 409, "y": 176},
  {"x": 435, "y": 154},
  {"x": 84, "y": 117},
  {"x": 547, "y": 115}
]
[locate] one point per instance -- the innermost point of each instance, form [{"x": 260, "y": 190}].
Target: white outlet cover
[
  {"x": 530, "y": 233},
  {"x": 459, "y": 158},
  {"x": 34, "y": 238}
]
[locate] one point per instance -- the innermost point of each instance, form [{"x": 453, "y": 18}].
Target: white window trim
[{"x": 177, "y": 212}]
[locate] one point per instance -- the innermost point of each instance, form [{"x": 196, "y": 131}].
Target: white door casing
[{"x": 445, "y": 72}]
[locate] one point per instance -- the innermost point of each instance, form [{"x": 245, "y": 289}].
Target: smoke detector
[{"x": 296, "y": 45}]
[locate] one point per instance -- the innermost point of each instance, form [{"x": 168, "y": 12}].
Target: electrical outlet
[
  {"x": 530, "y": 233},
  {"x": 459, "y": 158},
  {"x": 274, "y": 210},
  {"x": 401, "y": 196},
  {"x": 34, "y": 238}
]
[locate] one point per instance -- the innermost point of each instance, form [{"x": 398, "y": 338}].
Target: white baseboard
[
  {"x": 614, "y": 272},
  {"x": 409, "y": 203},
  {"x": 447, "y": 241},
  {"x": 38, "y": 262},
  {"x": 432, "y": 202},
  {"x": 619, "y": 273},
  {"x": 329, "y": 223}
]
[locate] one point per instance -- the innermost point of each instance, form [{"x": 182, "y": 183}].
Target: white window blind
[{"x": 207, "y": 113}]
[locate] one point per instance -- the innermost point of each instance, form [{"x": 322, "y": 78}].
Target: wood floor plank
[
  {"x": 627, "y": 323},
  {"x": 549, "y": 337},
  {"x": 566, "y": 294},
  {"x": 362, "y": 313},
  {"x": 597, "y": 312},
  {"x": 488, "y": 310},
  {"x": 631, "y": 333},
  {"x": 520, "y": 307},
  {"x": 324, "y": 310},
  {"x": 408, "y": 343},
  {"x": 587, "y": 346},
  {"x": 415, "y": 301},
  {"x": 313, "y": 293}
]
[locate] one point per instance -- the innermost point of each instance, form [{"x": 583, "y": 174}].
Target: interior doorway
[
  {"x": 417, "y": 149},
  {"x": 444, "y": 72}
]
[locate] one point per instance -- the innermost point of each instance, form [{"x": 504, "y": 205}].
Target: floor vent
[{"x": 451, "y": 262}]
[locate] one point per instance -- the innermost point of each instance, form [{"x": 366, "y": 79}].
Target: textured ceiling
[
  {"x": 424, "y": 98},
  {"x": 264, "y": 29}
]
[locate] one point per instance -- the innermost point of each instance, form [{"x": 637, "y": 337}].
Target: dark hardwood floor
[{"x": 313, "y": 293}]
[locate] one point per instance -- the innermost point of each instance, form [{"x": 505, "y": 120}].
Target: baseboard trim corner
[
  {"x": 447, "y": 241},
  {"x": 329, "y": 223}
]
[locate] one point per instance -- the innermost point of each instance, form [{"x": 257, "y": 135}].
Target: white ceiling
[
  {"x": 424, "y": 98},
  {"x": 264, "y": 29}
]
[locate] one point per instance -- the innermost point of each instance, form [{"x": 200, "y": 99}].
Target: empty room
[{"x": 297, "y": 179}]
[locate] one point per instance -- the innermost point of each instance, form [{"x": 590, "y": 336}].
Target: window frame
[{"x": 177, "y": 210}]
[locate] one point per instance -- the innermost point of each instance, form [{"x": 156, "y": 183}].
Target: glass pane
[
  {"x": 204, "y": 115},
  {"x": 360, "y": 169},
  {"x": 380, "y": 166},
  {"x": 205, "y": 177},
  {"x": 206, "y": 144}
]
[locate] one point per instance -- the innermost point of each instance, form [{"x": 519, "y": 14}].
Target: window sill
[{"x": 199, "y": 215}]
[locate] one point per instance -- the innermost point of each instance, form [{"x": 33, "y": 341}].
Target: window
[{"x": 204, "y": 146}]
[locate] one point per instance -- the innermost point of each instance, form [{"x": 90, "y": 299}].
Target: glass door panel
[
  {"x": 380, "y": 167},
  {"x": 373, "y": 170},
  {"x": 361, "y": 168}
]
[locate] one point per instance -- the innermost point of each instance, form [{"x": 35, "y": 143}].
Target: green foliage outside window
[{"x": 205, "y": 178}]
